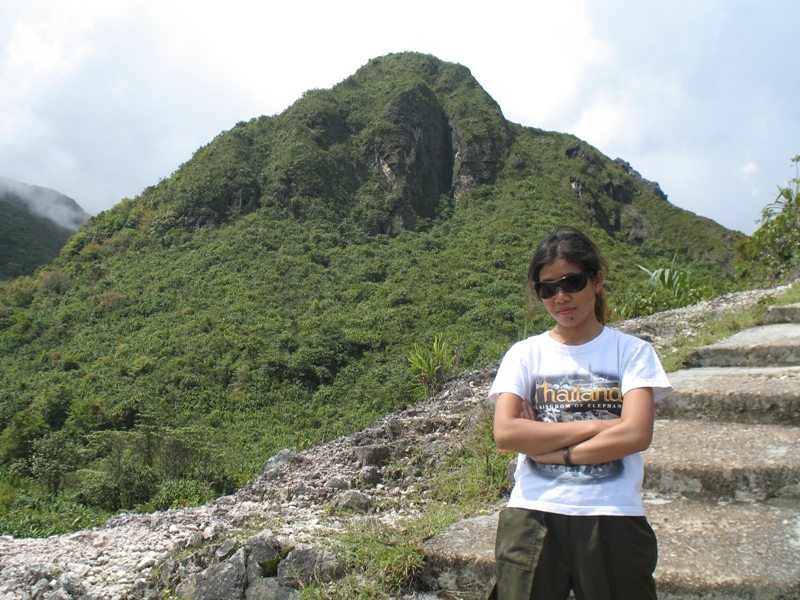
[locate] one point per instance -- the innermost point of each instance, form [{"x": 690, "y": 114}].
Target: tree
[
  {"x": 772, "y": 254},
  {"x": 54, "y": 456},
  {"x": 16, "y": 441}
]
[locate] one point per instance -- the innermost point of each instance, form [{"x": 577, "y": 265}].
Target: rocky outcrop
[
  {"x": 476, "y": 161},
  {"x": 417, "y": 158},
  {"x": 651, "y": 186},
  {"x": 430, "y": 154}
]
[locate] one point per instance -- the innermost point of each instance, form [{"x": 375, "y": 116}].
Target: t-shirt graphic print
[{"x": 577, "y": 396}]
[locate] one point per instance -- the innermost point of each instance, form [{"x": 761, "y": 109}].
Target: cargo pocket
[{"x": 520, "y": 535}]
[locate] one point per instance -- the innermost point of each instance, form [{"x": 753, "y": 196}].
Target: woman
[{"x": 577, "y": 403}]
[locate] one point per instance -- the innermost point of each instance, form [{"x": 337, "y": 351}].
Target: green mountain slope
[{"x": 267, "y": 294}]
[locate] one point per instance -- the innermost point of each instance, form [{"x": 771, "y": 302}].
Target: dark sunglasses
[{"x": 570, "y": 284}]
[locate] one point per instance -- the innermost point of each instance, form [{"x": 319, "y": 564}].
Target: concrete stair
[
  {"x": 718, "y": 461},
  {"x": 766, "y": 346},
  {"x": 767, "y": 395},
  {"x": 722, "y": 479}
]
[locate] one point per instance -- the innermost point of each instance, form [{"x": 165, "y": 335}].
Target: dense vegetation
[{"x": 268, "y": 293}]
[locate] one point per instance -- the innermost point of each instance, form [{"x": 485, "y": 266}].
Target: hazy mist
[{"x": 45, "y": 202}]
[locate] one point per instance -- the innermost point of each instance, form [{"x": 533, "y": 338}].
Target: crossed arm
[{"x": 591, "y": 442}]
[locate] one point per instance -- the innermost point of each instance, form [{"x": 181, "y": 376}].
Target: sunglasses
[{"x": 569, "y": 284}]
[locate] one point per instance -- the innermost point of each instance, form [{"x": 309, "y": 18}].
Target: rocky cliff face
[
  {"x": 431, "y": 154},
  {"x": 449, "y": 136},
  {"x": 476, "y": 162},
  {"x": 418, "y": 160}
]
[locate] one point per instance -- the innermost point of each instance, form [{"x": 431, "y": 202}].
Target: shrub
[
  {"x": 32, "y": 515},
  {"x": 665, "y": 289},
  {"x": 52, "y": 458},
  {"x": 53, "y": 282},
  {"x": 87, "y": 415},
  {"x": 17, "y": 439},
  {"x": 179, "y": 493},
  {"x": 96, "y": 488},
  {"x": 19, "y": 292},
  {"x": 111, "y": 300}
]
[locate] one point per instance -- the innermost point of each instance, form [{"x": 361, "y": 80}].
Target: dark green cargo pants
[{"x": 542, "y": 556}]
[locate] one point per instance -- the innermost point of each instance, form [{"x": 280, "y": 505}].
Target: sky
[{"x": 102, "y": 98}]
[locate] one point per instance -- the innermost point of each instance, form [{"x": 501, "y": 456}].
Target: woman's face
[{"x": 571, "y": 310}]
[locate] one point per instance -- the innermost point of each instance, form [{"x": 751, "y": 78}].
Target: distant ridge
[
  {"x": 52, "y": 205},
  {"x": 35, "y": 223}
]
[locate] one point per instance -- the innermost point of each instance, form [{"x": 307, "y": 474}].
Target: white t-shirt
[{"x": 567, "y": 383}]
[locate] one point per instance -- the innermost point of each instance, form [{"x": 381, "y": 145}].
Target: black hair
[{"x": 571, "y": 244}]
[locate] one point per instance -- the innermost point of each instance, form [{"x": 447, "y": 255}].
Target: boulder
[
  {"x": 374, "y": 455},
  {"x": 264, "y": 554},
  {"x": 460, "y": 560},
  {"x": 223, "y": 581},
  {"x": 284, "y": 457},
  {"x": 352, "y": 500},
  {"x": 307, "y": 564},
  {"x": 39, "y": 571},
  {"x": 369, "y": 475},
  {"x": 268, "y": 588}
]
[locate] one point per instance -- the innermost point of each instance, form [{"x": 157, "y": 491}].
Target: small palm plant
[
  {"x": 432, "y": 365},
  {"x": 679, "y": 282},
  {"x": 666, "y": 288}
]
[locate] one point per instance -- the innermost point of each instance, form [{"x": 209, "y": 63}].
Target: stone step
[
  {"x": 765, "y": 346},
  {"x": 767, "y": 395},
  {"x": 726, "y": 551},
  {"x": 460, "y": 560},
  {"x": 721, "y": 551},
  {"x": 788, "y": 313},
  {"x": 731, "y": 461}
]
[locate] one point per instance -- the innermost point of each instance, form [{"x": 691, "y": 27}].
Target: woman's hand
[{"x": 527, "y": 411}]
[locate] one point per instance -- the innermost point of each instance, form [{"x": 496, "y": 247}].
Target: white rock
[
  {"x": 78, "y": 569},
  {"x": 145, "y": 563}
]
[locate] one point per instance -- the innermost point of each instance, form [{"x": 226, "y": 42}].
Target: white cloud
[
  {"x": 629, "y": 115},
  {"x": 749, "y": 167}
]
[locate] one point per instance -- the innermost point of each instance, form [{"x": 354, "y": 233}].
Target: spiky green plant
[{"x": 433, "y": 364}]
